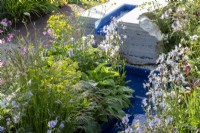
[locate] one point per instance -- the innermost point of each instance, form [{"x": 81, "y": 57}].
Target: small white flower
[
  {"x": 102, "y": 47},
  {"x": 125, "y": 119},
  {"x": 129, "y": 130},
  {"x": 70, "y": 52},
  {"x": 151, "y": 124},
  {"x": 72, "y": 39},
  {"x": 84, "y": 38},
  {"x": 177, "y": 26},
  {"x": 194, "y": 37},
  {"x": 16, "y": 118},
  {"x": 125, "y": 36},
  {"x": 168, "y": 120},
  {"x": 123, "y": 27},
  {"x": 144, "y": 102},
  {"x": 8, "y": 121},
  {"x": 27, "y": 14}
]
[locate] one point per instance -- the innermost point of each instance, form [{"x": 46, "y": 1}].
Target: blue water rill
[
  {"x": 106, "y": 20},
  {"x": 136, "y": 76}
]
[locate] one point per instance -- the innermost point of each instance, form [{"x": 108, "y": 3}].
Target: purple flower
[
  {"x": 50, "y": 31},
  {"x": 1, "y": 31},
  {"x": 3, "y": 103},
  {"x": 10, "y": 37},
  {"x": 1, "y": 129},
  {"x": 4, "y": 20},
  {"x": 30, "y": 94},
  {"x": 23, "y": 51},
  {"x": 14, "y": 104},
  {"x": 48, "y": 131},
  {"x": 10, "y": 23},
  {"x": 52, "y": 123},
  {"x": 44, "y": 33},
  {"x": 62, "y": 125},
  {"x": 4, "y": 24},
  {"x": 1, "y": 63}
]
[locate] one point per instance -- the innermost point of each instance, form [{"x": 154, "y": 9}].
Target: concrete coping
[{"x": 100, "y": 11}]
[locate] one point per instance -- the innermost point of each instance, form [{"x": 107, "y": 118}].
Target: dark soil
[{"x": 34, "y": 29}]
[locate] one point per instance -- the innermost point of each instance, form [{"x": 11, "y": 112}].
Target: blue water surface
[{"x": 136, "y": 76}]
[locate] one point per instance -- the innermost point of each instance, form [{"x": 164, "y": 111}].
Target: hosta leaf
[{"x": 108, "y": 82}]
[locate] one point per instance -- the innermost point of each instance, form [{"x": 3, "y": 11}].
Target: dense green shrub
[
  {"x": 19, "y": 9},
  {"x": 177, "y": 21},
  {"x": 68, "y": 87}
]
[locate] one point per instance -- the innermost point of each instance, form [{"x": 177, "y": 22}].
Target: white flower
[
  {"x": 194, "y": 37},
  {"x": 2, "y": 41},
  {"x": 70, "y": 52},
  {"x": 123, "y": 27},
  {"x": 27, "y": 14},
  {"x": 84, "y": 38},
  {"x": 176, "y": 25},
  {"x": 125, "y": 36},
  {"x": 125, "y": 119},
  {"x": 129, "y": 130},
  {"x": 72, "y": 39},
  {"x": 144, "y": 102},
  {"x": 8, "y": 121},
  {"x": 139, "y": 130},
  {"x": 102, "y": 47},
  {"x": 16, "y": 118},
  {"x": 168, "y": 120},
  {"x": 151, "y": 124}
]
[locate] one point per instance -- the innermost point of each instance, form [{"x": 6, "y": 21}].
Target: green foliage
[
  {"x": 61, "y": 26},
  {"x": 177, "y": 21},
  {"x": 58, "y": 3},
  {"x": 43, "y": 90},
  {"x": 17, "y": 9},
  {"x": 186, "y": 117}
]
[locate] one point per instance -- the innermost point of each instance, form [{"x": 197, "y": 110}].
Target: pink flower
[
  {"x": 4, "y": 20},
  {"x": 1, "y": 63},
  {"x": 50, "y": 31},
  {"x": 10, "y": 37},
  {"x": 23, "y": 51},
  {"x": 4, "y": 24},
  {"x": 10, "y": 23},
  {"x": 1, "y": 31},
  {"x": 44, "y": 33},
  {"x": 187, "y": 69}
]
